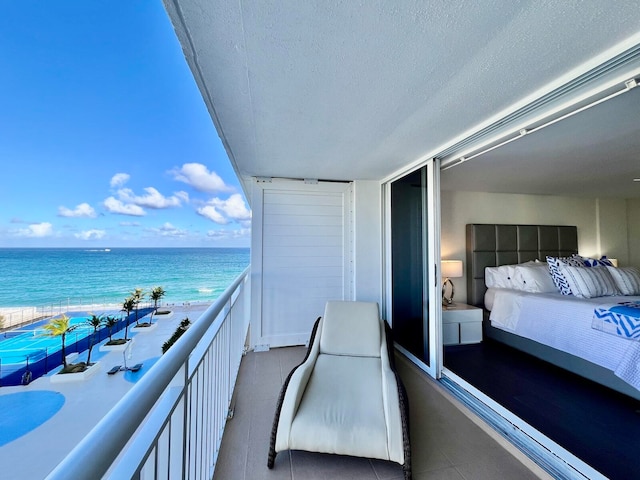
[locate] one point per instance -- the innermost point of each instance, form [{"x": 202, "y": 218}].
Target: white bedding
[{"x": 565, "y": 323}]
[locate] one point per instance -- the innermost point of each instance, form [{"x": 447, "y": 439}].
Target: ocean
[{"x": 43, "y": 277}]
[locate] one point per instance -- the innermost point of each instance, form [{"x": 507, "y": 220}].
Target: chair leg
[
  {"x": 274, "y": 429},
  {"x": 407, "y": 471},
  {"x": 272, "y": 458}
]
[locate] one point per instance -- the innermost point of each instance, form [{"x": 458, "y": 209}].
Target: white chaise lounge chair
[{"x": 345, "y": 397}]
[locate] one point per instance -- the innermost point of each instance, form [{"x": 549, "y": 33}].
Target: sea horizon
[
  {"x": 55, "y": 276},
  {"x": 123, "y": 248}
]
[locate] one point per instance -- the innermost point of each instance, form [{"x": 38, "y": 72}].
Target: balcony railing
[{"x": 170, "y": 424}]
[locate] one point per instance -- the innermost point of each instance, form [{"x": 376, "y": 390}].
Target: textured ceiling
[{"x": 350, "y": 90}]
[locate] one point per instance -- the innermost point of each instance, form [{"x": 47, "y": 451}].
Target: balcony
[
  {"x": 446, "y": 441},
  {"x": 184, "y": 419}
]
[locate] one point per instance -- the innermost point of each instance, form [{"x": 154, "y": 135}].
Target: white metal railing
[
  {"x": 170, "y": 424},
  {"x": 20, "y": 316}
]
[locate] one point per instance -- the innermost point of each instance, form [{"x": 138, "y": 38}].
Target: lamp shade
[{"x": 451, "y": 268}]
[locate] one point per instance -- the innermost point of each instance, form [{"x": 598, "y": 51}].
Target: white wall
[
  {"x": 613, "y": 229},
  {"x": 301, "y": 256},
  {"x": 633, "y": 233},
  {"x": 368, "y": 241},
  {"x": 602, "y": 223},
  {"x": 298, "y": 253}
]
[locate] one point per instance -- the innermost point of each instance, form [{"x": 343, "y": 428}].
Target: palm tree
[
  {"x": 95, "y": 322},
  {"x": 127, "y": 306},
  {"x": 59, "y": 327},
  {"x": 110, "y": 322},
  {"x": 156, "y": 295},
  {"x": 137, "y": 295}
]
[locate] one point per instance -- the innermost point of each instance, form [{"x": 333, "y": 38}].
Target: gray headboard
[{"x": 491, "y": 245}]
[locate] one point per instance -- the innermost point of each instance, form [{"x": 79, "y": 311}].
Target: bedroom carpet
[{"x": 596, "y": 424}]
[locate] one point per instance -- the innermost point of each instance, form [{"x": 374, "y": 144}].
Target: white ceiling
[{"x": 348, "y": 90}]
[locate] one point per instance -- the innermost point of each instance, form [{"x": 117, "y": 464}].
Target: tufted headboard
[{"x": 491, "y": 245}]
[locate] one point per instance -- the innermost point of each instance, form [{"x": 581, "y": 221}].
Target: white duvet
[{"x": 564, "y": 322}]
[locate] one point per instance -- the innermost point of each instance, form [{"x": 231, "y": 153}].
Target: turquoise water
[{"x": 69, "y": 276}]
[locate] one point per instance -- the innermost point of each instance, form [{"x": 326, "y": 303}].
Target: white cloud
[
  {"x": 226, "y": 234},
  {"x": 82, "y": 210},
  {"x": 168, "y": 230},
  {"x": 225, "y": 211},
  {"x": 90, "y": 234},
  {"x": 44, "y": 229},
  {"x": 114, "y": 205},
  {"x": 210, "y": 212},
  {"x": 119, "y": 179},
  {"x": 234, "y": 207},
  {"x": 199, "y": 177},
  {"x": 129, "y": 224},
  {"x": 153, "y": 198},
  {"x": 128, "y": 203}
]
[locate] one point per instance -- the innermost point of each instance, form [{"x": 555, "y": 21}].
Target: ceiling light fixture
[{"x": 522, "y": 133}]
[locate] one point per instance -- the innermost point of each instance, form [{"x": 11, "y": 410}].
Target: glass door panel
[
  {"x": 407, "y": 264},
  {"x": 414, "y": 252}
]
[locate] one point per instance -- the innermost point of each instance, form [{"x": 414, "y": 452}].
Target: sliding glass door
[{"x": 414, "y": 251}]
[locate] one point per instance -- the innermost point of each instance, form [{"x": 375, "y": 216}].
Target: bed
[{"x": 551, "y": 326}]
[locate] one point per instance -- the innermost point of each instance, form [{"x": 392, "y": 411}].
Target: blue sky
[{"x": 105, "y": 140}]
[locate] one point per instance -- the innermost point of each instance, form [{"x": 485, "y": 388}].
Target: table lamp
[{"x": 450, "y": 269}]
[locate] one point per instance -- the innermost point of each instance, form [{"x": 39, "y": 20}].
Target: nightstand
[{"x": 461, "y": 324}]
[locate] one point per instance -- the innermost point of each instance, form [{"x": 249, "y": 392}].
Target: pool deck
[{"x": 35, "y": 454}]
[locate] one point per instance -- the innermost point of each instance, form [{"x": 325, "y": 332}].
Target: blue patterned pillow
[
  {"x": 558, "y": 278},
  {"x": 594, "y": 262}
]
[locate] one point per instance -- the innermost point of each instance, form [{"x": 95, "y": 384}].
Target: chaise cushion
[
  {"x": 351, "y": 328},
  {"x": 342, "y": 409}
]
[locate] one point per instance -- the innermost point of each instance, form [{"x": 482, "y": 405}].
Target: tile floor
[{"x": 447, "y": 442}]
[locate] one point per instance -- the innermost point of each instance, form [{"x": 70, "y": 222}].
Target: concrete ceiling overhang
[{"x": 343, "y": 90}]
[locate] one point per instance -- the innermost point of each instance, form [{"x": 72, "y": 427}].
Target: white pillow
[
  {"x": 502, "y": 276},
  {"x": 627, "y": 279},
  {"x": 589, "y": 282},
  {"x": 498, "y": 277},
  {"x": 534, "y": 278}
]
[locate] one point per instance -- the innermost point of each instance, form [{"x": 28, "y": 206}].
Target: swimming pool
[
  {"x": 31, "y": 351},
  {"x": 23, "y": 412}
]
